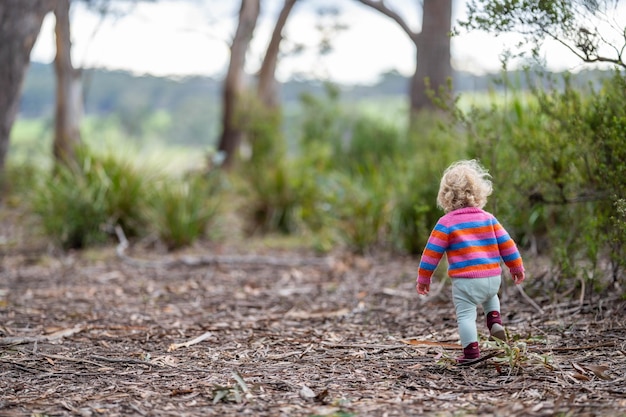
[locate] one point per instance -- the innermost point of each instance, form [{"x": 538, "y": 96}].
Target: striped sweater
[{"x": 474, "y": 242}]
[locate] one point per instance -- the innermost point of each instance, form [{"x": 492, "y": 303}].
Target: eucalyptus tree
[
  {"x": 20, "y": 23},
  {"x": 234, "y": 83},
  {"x": 267, "y": 85},
  {"x": 432, "y": 48},
  {"x": 235, "y": 80},
  {"x": 69, "y": 98},
  {"x": 69, "y": 82}
]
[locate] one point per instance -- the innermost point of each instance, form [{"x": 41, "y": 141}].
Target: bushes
[
  {"x": 558, "y": 167},
  {"x": 181, "y": 211},
  {"x": 80, "y": 206}
]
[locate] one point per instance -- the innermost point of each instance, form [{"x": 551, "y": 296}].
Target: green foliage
[
  {"x": 417, "y": 172},
  {"x": 79, "y": 205},
  {"x": 273, "y": 198},
  {"x": 362, "y": 209},
  {"x": 17, "y": 180},
  {"x": 73, "y": 210},
  {"x": 124, "y": 188},
  {"x": 584, "y": 27},
  {"x": 181, "y": 210},
  {"x": 324, "y": 118},
  {"x": 372, "y": 144},
  {"x": 358, "y": 178},
  {"x": 558, "y": 169},
  {"x": 273, "y": 189}
]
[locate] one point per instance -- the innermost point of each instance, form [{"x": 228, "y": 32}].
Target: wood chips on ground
[{"x": 285, "y": 335}]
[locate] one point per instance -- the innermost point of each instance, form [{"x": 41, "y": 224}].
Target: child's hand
[
  {"x": 423, "y": 289},
  {"x": 518, "y": 277}
]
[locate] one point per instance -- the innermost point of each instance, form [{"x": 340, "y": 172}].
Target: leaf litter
[{"x": 84, "y": 335}]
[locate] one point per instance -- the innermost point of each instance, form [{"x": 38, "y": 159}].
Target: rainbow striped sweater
[{"x": 474, "y": 242}]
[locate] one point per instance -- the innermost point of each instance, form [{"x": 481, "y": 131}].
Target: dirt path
[{"x": 89, "y": 334}]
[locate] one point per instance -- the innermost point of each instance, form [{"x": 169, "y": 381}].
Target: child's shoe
[
  {"x": 494, "y": 323},
  {"x": 497, "y": 332},
  {"x": 471, "y": 352}
]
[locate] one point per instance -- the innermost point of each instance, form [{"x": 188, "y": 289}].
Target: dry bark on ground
[{"x": 105, "y": 336}]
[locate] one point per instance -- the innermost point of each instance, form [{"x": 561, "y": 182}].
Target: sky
[{"x": 178, "y": 38}]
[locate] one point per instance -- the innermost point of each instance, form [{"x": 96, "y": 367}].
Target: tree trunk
[
  {"x": 235, "y": 80},
  {"x": 267, "y": 88},
  {"x": 20, "y": 23},
  {"x": 69, "y": 91},
  {"x": 433, "y": 48}
]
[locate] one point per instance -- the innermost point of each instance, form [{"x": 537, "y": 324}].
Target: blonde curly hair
[{"x": 464, "y": 184}]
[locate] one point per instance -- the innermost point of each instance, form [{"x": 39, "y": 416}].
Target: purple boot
[{"x": 470, "y": 352}]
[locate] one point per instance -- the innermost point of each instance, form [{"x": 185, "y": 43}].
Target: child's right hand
[
  {"x": 423, "y": 289},
  {"x": 518, "y": 277}
]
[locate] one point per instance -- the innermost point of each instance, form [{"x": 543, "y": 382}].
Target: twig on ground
[
  {"x": 20, "y": 340},
  {"x": 529, "y": 300},
  {"x": 198, "y": 339}
]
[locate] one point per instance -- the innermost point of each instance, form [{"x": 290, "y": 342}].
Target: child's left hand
[{"x": 423, "y": 289}]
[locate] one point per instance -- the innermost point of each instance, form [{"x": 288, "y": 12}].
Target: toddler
[{"x": 474, "y": 242}]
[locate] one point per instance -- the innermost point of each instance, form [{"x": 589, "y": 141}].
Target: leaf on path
[
  {"x": 306, "y": 393},
  {"x": 580, "y": 377},
  {"x": 165, "y": 360},
  {"x": 240, "y": 381},
  {"x": 197, "y": 340},
  {"x": 597, "y": 370}
]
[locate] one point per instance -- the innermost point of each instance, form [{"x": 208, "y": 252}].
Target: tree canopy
[{"x": 588, "y": 28}]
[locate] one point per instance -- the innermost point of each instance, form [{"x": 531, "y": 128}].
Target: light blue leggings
[{"x": 467, "y": 294}]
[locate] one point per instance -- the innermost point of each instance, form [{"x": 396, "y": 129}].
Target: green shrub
[
  {"x": 371, "y": 144},
  {"x": 324, "y": 119},
  {"x": 416, "y": 173},
  {"x": 558, "y": 167},
  {"x": 80, "y": 206},
  {"x": 361, "y": 206},
  {"x": 72, "y": 209},
  {"x": 273, "y": 198},
  {"x": 125, "y": 188},
  {"x": 181, "y": 210}
]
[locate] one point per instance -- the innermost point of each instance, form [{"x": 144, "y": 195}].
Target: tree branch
[{"x": 382, "y": 7}]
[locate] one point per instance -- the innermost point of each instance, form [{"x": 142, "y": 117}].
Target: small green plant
[{"x": 234, "y": 394}]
